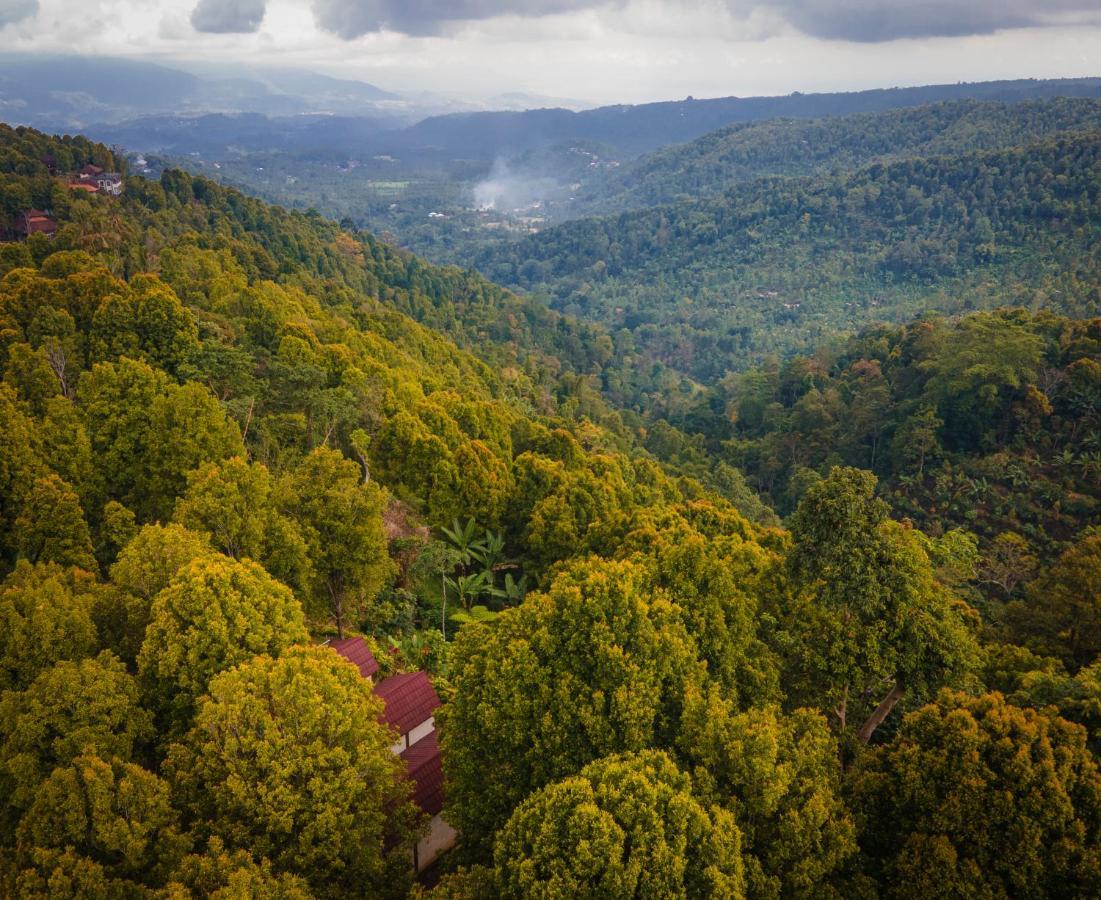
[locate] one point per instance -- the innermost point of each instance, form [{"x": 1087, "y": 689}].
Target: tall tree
[
  {"x": 45, "y": 616},
  {"x": 778, "y": 776},
  {"x": 89, "y": 706},
  {"x": 625, "y": 826},
  {"x": 51, "y": 526},
  {"x": 596, "y": 665},
  {"x": 341, "y": 520},
  {"x": 288, "y": 760},
  {"x": 215, "y": 613},
  {"x": 977, "y": 798},
  {"x": 113, "y": 813},
  {"x": 869, "y": 622}
]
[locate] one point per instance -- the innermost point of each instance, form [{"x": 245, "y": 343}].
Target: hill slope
[
  {"x": 784, "y": 263},
  {"x": 742, "y": 153}
]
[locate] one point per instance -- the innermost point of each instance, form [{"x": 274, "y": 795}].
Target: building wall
[
  {"x": 423, "y": 730},
  {"x": 440, "y": 837}
]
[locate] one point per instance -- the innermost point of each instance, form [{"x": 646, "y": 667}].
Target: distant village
[{"x": 90, "y": 179}]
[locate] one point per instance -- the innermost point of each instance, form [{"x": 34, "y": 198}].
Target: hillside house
[
  {"x": 410, "y": 704},
  {"x": 35, "y": 221},
  {"x": 93, "y": 180}
]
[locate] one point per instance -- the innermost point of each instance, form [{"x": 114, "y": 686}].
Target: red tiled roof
[
  {"x": 410, "y": 700},
  {"x": 34, "y": 221},
  {"x": 422, "y": 762},
  {"x": 83, "y": 186},
  {"x": 356, "y": 651}
]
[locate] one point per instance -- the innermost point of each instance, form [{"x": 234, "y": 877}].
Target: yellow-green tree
[
  {"x": 341, "y": 521},
  {"x": 978, "y": 798},
  {"x": 45, "y": 616},
  {"x": 110, "y": 812},
  {"x": 625, "y": 826},
  {"x": 147, "y": 433},
  {"x": 216, "y": 613},
  {"x": 89, "y": 706},
  {"x": 51, "y": 526},
  {"x": 223, "y": 874},
  {"x": 595, "y": 665},
  {"x": 1061, "y": 613},
  {"x": 232, "y": 502},
  {"x": 778, "y": 776},
  {"x": 869, "y": 622},
  {"x": 288, "y": 760}
]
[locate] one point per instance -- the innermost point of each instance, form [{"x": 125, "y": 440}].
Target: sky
[{"x": 587, "y": 51}]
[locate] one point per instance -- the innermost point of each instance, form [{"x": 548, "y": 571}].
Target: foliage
[
  {"x": 215, "y": 613},
  {"x": 90, "y": 706},
  {"x": 111, "y": 812},
  {"x": 287, "y": 760},
  {"x": 877, "y": 624},
  {"x": 624, "y": 826},
  {"x": 45, "y": 616},
  {"x": 980, "y": 798},
  {"x": 593, "y": 666},
  {"x": 778, "y": 776}
]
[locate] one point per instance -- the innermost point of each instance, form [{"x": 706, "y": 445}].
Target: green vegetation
[
  {"x": 784, "y": 264},
  {"x": 229, "y": 432},
  {"x": 742, "y": 153}
]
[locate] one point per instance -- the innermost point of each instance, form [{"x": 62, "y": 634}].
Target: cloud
[
  {"x": 227, "y": 16},
  {"x": 12, "y": 11},
  {"x": 872, "y": 21},
  {"x": 351, "y": 19},
  {"x": 862, "y": 21}
]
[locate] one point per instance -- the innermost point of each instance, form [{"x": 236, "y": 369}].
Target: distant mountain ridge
[
  {"x": 132, "y": 103},
  {"x": 74, "y": 91},
  {"x": 644, "y": 127}
]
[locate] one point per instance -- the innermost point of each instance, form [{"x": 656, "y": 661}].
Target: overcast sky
[{"x": 616, "y": 50}]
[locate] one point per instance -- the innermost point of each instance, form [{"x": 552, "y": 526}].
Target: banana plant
[{"x": 469, "y": 587}]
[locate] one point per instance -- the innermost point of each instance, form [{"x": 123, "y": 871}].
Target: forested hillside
[
  {"x": 741, "y": 153},
  {"x": 229, "y": 433},
  {"x": 784, "y": 264}
]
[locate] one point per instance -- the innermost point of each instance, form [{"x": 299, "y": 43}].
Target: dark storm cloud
[
  {"x": 12, "y": 11},
  {"x": 228, "y": 16},
  {"x": 353, "y": 18},
  {"x": 866, "y": 21},
  {"x": 886, "y": 20}
]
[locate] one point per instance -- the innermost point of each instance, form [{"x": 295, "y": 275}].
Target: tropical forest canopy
[{"x": 804, "y": 624}]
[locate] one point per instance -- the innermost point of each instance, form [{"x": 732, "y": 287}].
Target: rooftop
[
  {"x": 356, "y": 651},
  {"x": 422, "y": 762},
  {"x": 410, "y": 700}
]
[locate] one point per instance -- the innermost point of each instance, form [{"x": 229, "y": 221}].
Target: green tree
[
  {"x": 222, "y": 874},
  {"x": 111, "y": 812},
  {"x": 51, "y": 526},
  {"x": 19, "y": 464},
  {"x": 215, "y": 613},
  {"x": 341, "y": 520},
  {"x": 596, "y": 665},
  {"x": 155, "y": 555},
  {"x": 870, "y": 622},
  {"x": 978, "y": 798},
  {"x": 1061, "y": 614},
  {"x": 232, "y": 502},
  {"x": 45, "y": 616},
  {"x": 75, "y": 707},
  {"x": 778, "y": 776},
  {"x": 147, "y": 433},
  {"x": 288, "y": 760},
  {"x": 625, "y": 826},
  {"x": 146, "y": 322}
]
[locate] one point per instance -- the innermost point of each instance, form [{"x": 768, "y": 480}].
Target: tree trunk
[{"x": 881, "y": 712}]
